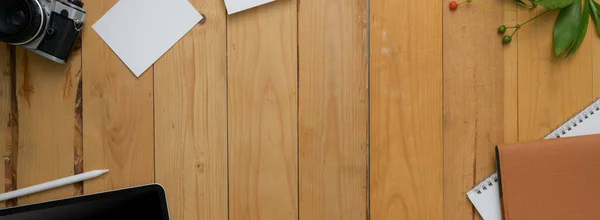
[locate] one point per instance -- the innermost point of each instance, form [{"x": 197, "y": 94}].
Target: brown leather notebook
[{"x": 551, "y": 179}]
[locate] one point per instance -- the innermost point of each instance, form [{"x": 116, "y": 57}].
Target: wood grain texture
[
  {"x": 406, "y": 110},
  {"x": 551, "y": 89},
  {"x": 5, "y": 102},
  {"x": 118, "y": 114},
  {"x": 510, "y": 86},
  {"x": 510, "y": 82},
  {"x": 5, "y": 114},
  {"x": 595, "y": 57},
  {"x": 191, "y": 119},
  {"x": 333, "y": 109},
  {"x": 264, "y": 114},
  {"x": 46, "y": 96},
  {"x": 262, "y": 77},
  {"x": 3, "y": 179},
  {"x": 473, "y": 101}
]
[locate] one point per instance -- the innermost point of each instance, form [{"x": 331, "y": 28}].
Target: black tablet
[{"x": 144, "y": 202}]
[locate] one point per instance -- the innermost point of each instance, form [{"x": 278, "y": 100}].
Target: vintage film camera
[{"x": 49, "y": 28}]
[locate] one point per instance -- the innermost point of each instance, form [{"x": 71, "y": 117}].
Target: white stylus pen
[{"x": 51, "y": 185}]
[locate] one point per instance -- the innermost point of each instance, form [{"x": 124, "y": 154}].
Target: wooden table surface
[{"x": 298, "y": 109}]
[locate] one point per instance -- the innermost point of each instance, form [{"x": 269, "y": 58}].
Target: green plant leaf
[
  {"x": 555, "y": 4},
  {"x": 520, "y": 2},
  {"x": 524, "y": 4},
  {"x": 585, "y": 20},
  {"x": 595, "y": 14},
  {"x": 566, "y": 27}
]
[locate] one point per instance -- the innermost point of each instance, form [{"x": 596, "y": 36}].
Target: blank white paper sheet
[
  {"x": 235, "y": 6},
  {"x": 141, "y": 31}
]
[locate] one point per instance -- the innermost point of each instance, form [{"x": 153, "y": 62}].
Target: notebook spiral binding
[
  {"x": 486, "y": 184},
  {"x": 591, "y": 111}
]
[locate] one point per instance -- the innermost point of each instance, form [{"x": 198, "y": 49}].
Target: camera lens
[
  {"x": 21, "y": 21},
  {"x": 18, "y": 18}
]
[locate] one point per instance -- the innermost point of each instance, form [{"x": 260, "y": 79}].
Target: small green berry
[
  {"x": 502, "y": 29},
  {"x": 507, "y": 39}
]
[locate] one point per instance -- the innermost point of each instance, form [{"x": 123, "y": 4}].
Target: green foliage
[
  {"x": 585, "y": 20},
  {"x": 566, "y": 27},
  {"x": 594, "y": 7},
  {"x": 529, "y": 5},
  {"x": 555, "y": 4},
  {"x": 571, "y": 23}
]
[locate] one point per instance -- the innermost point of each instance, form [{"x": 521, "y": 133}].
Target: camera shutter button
[{"x": 78, "y": 3}]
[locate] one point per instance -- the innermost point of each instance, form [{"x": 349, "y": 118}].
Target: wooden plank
[
  {"x": 118, "y": 114},
  {"x": 406, "y": 110},
  {"x": 551, "y": 89},
  {"x": 191, "y": 119},
  {"x": 473, "y": 101},
  {"x": 333, "y": 109},
  {"x": 596, "y": 56},
  {"x": 5, "y": 101},
  {"x": 262, "y": 80},
  {"x": 5, "y": 114},
  {"x": 511, "y": 131},
  {"x": 4, "y": 179},
  {"x": 46, "y": 96},
  {"x": 510, "y": 86},
  {"x": 78, "y": 133}
]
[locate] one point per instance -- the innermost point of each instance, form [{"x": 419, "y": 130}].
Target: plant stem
[
  {"x": 514, "y": 32},
  {"x": 495, "y": 7},
  {"x": 531, "y": 19},
  {"x": 518, "y": 26}
]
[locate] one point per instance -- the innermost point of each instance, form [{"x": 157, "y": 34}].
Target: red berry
[{"x": 453, "y": 5}]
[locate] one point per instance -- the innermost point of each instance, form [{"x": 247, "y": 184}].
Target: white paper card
[
  {"x": 141, "y": 31},
  {"x": 235, "y": 6}
]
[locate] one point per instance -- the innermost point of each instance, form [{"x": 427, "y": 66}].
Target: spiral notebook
[{"x": 486, "y": 195}]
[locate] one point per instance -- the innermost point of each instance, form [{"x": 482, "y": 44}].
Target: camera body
[{"x": 59, "y": 28}]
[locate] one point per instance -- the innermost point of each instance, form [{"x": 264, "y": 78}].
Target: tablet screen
[{"x": 145, "y": 202}]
